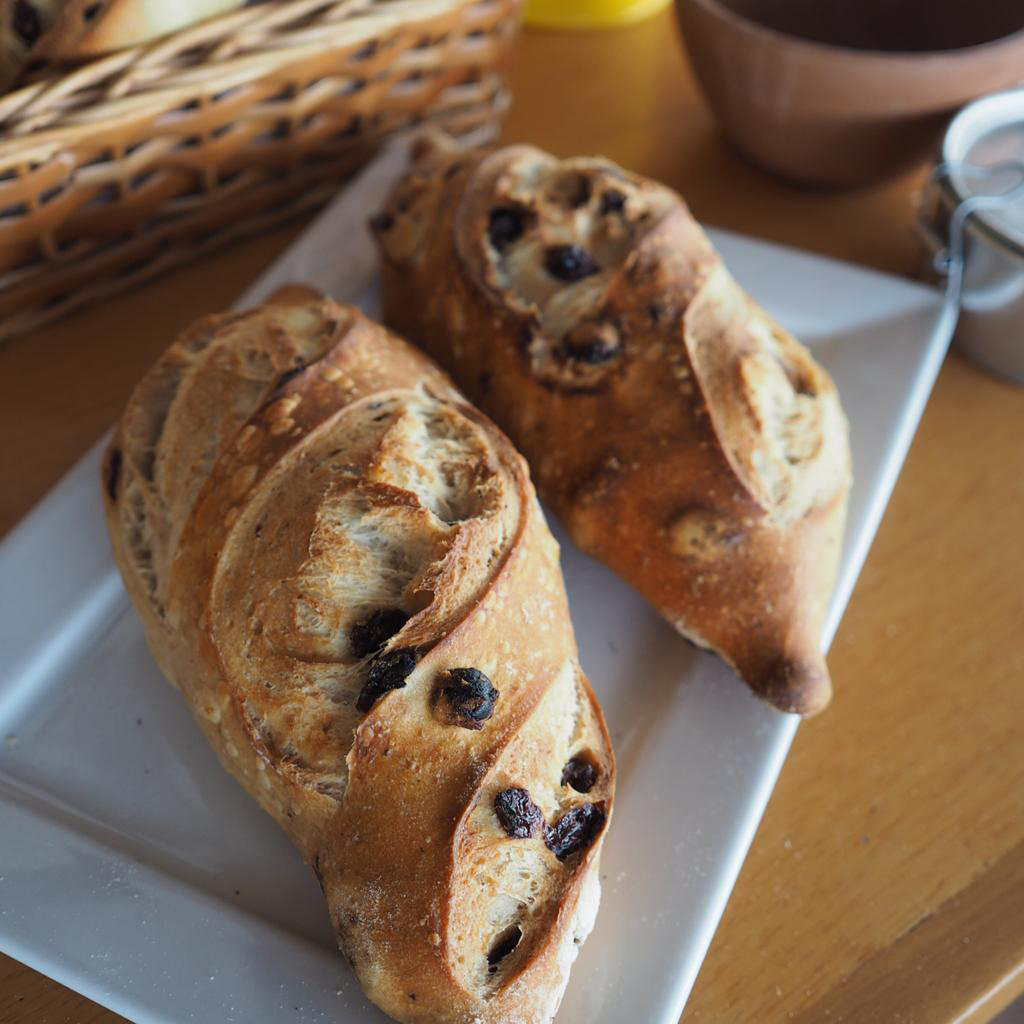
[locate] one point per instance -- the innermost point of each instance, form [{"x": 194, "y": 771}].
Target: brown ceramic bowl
[{"x": 840, "y": 92}]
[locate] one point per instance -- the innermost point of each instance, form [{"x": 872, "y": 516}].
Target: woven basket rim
[
  {"x": 124, "y": 166},
  {"x": 360, "y": 20}
]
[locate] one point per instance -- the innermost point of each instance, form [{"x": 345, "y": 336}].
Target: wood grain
[
  {"x": 887, "y": 881},
  {"x": 901, "y": 810}
]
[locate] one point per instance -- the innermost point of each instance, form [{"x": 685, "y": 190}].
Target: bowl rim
[{"x": 960, "y": 53}]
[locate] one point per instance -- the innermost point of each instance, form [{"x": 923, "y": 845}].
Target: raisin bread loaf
[
  {"x": 345, "y": 570},
  {"x": 23, "y": 25},
  {"x": 684, "y": 437},
  {"x": 63, "y": 30}
]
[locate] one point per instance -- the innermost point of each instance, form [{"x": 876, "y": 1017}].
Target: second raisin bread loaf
[{"x": 686, "y": 439}]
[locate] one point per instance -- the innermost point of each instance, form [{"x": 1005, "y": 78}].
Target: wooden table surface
[{"x": 887, "y": 880}]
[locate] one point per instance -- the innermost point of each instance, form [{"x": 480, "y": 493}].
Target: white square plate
[{"x": 133, "y": 869}]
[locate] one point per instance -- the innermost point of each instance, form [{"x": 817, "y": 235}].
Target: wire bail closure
[{"x": 948, "y": 258}]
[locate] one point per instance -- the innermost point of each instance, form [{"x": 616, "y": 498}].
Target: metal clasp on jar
[{"x": 983, "y": 269}]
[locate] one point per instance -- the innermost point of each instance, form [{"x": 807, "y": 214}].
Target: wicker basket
[{"x": 115, "y": 171}]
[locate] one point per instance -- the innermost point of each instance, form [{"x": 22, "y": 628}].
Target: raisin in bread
[
  {"x": 685, "y": 438},
  {"x": 345, "y": 570}
]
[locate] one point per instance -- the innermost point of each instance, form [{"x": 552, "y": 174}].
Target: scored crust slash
[
  {"x": 684, "y": 437},
  {"x": 343, "y": 567}
]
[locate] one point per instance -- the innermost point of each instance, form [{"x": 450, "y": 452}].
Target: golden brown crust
[
  {"x": 24, "y": 25},
  {"x": 684, "y": 437},
  {"x": 68, "y": 30},
  {"x": 278, "y": 477},
  {"x": 87, "y": 28}
]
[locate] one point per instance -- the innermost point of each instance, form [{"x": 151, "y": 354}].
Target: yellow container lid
[{"x": 589, "y": 13}]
